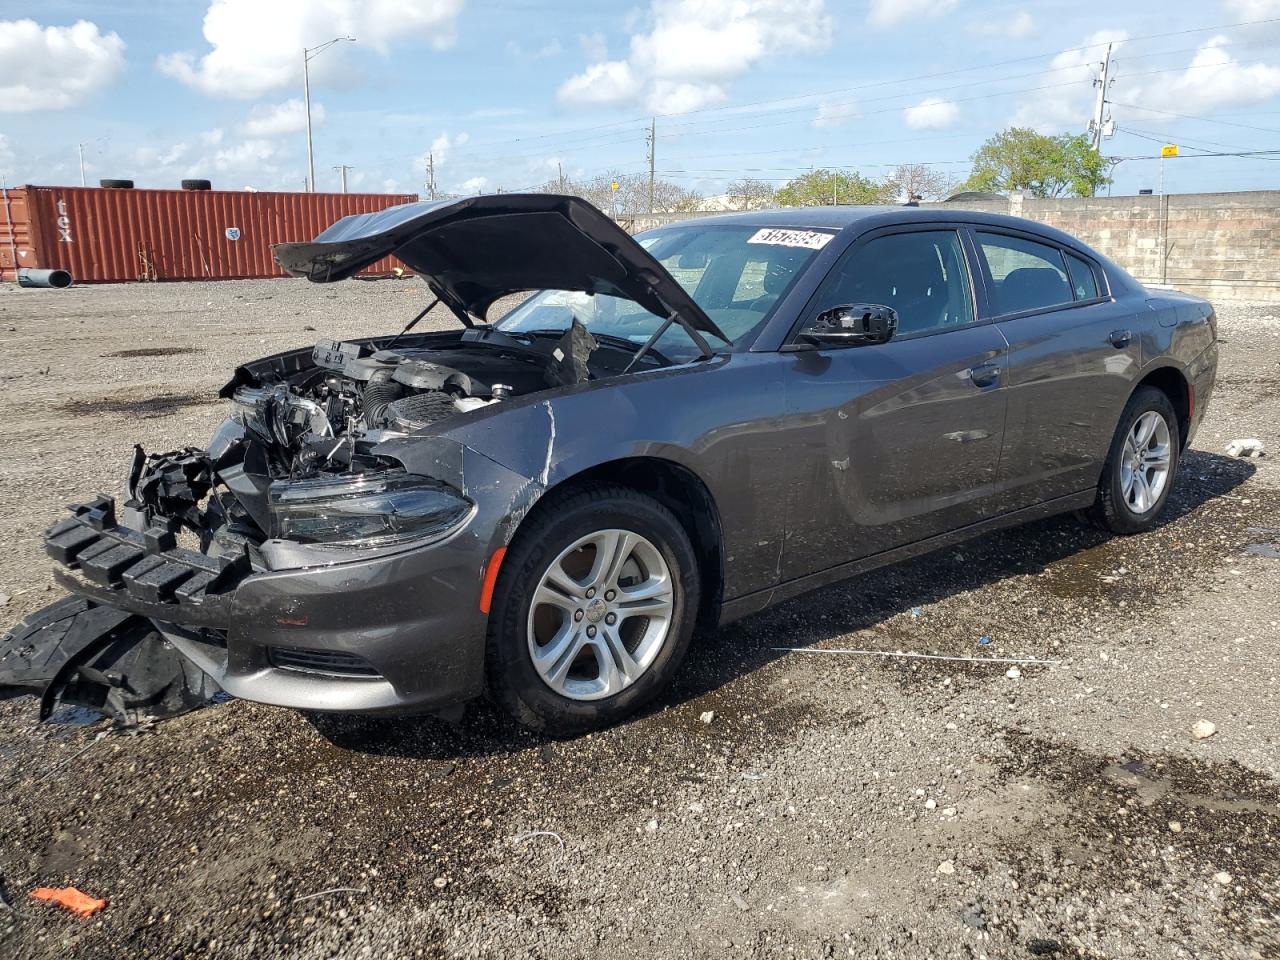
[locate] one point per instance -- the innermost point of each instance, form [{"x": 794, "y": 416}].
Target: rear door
[
  {"x": 1073, "y": 359},
  {"x": 899, "y": 441}
]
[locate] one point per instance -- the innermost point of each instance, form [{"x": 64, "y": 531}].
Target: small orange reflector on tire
[{"x": 490, "y": 578}]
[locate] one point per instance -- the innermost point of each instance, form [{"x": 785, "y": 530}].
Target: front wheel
[
  {"x": 593, "y": 611},
  {"x": 1141, "y": 465}
]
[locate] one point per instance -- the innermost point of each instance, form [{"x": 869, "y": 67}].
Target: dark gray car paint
[{"x": 819, "y": 464}]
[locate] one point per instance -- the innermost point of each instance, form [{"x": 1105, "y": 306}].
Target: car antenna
[{"x": 412, "y": 323}]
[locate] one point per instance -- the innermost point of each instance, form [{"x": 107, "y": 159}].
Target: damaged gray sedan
[{"x": 678, "y": 430}]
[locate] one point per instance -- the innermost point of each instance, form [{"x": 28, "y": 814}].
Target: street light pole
[
  {"x": 309, "y": 54},
  {"x": 306, "y": 95}
]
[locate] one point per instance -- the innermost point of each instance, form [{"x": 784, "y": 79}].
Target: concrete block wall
[{"x": 1224, "y": 246}]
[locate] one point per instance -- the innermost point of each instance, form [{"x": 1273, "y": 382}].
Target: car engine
[{"x": 351, "y": 396}]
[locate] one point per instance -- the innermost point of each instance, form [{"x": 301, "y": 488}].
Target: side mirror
[{"x": 852, "y": 325}]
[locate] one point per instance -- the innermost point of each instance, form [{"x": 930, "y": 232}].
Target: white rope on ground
[{"x": 919, "y": 656}]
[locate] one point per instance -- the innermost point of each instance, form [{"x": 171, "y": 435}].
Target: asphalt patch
[
  {"x": 139, "y": 352},
  {"x": 143, "y": 407}
]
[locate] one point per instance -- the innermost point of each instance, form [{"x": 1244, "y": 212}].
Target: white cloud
[
  {"x": 594, "y": 47},
  {"x": 835, "y": 114},
  {"x": 1068, "y": 103},
  {"x": 693, "y": 48},
  {"x": 890, "y": 13},
  {"x": 1252, "y": 9},
  {"x": 1212, "y": 80},
  {"x": 1018, "y": 27},
  {"x": 250, "y": 154},
  {"x": 444, "y": 144},
  {"x": 551, "y": 48},
  {"x": 932, "y": 113},
  {"x": 610, "y": 82},
  {"x": 474, "y": 185},
  {"x": 49, "y": 68},
  {"x": 277, "y": 119},
  {"x": 6, "y": 152},
  {"x": 257, "y": 46}
]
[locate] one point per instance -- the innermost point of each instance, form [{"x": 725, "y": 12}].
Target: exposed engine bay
[{"x": 305, "y": 424}]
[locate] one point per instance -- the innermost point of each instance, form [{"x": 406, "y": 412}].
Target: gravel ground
[{"x": 835, "y": 805}]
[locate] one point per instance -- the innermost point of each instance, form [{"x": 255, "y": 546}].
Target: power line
[
  {"x": 640, "y": 124},
  {"x": 1186, "y": 116}
]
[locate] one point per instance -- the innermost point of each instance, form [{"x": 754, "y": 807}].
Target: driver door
[{"x": 900, "y": 441}]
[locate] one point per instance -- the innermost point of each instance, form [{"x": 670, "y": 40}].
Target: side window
[
  {"x": 922, "y": 275},
  {"x": 1083, "y": 283},
  {"x": 1027, "y": 275}
]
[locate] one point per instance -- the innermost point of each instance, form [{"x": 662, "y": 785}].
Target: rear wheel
[
  {"x": 593, "y": 611},
  {"x": 1141, "y": 465}
]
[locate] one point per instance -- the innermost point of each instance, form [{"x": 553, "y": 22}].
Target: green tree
[
  {"x": 822, "y": 187},
  {"x": 1041, "y": 165}
]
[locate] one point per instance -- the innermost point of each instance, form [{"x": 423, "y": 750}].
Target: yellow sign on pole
[
  {"x": 1169, "y": 150},
  {"x": 614, "y": 185}
]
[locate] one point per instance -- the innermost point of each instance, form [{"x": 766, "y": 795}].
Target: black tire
[
  {"x": 197, "y": 185},
  {"x": 1110, "y": 510},
  {"x": 513, "y": 681},
  {"x": 116, "y": 184}
]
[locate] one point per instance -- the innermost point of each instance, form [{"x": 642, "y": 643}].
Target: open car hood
[{"x": 475, "y": 250}]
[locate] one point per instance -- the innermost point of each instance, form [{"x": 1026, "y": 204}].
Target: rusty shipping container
[{"x": 112, "y": 236}]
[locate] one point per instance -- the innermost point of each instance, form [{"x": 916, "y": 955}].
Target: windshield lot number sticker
[{"x": 810, "y": 239}]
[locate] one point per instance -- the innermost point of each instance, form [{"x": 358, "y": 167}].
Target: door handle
[
  {"x": 985, "y": 374},
  {"x": 1120, "y": 338}
]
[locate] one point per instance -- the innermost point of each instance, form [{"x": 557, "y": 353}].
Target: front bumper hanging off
[{"x": 142, "y": 571}]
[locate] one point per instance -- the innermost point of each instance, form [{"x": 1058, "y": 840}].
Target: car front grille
[{"x": 325, "y": 662}]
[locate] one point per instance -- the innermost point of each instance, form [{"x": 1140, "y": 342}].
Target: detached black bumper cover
[{"x": 142, "y": 571}]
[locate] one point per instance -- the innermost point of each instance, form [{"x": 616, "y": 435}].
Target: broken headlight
[{"x": 368, "y": 509}]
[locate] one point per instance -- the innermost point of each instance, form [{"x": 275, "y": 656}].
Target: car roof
[{"x": 859, "y": 219}]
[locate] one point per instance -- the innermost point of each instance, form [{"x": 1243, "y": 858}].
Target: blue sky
[{"x": 502, "y": 93}]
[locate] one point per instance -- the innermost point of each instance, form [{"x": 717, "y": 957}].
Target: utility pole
[
  {"x": 431, "y": 176},
  {"x": 653, "y": 150},
  {"x": 1100, "y": 106},
  {"x": 309, "y": 54},
  {"x": 560, "y": 173},
  {"x": 342, "y": 169},
  {"x": 82, "y": 181}
]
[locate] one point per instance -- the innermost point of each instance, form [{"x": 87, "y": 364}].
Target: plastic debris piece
[
  {"x": 915, "y": 613},
  {"x": 983, "y": 641},
  {"x": 69, "y": 898},
  {"x": 539, "y": 833},
  {"x": 1013, "y": 673},
  {"x": 329, "y": 892},
  {"x": 708, "y": 717}
]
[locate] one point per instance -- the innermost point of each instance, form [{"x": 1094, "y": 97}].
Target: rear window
[
  {"x": 1027, "y": 275},
  {"x": 1083, "y": 282}
]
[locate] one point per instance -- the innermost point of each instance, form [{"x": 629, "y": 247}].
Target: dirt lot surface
[{"x": 835, "y": 805}]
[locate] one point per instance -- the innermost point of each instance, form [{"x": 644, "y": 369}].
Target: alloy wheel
[
  {"x": 1145, "y": 462},
  {"x": 600, "y": 615}
]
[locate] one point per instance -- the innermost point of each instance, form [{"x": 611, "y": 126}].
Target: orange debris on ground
[{"x": 81, "y": 904}]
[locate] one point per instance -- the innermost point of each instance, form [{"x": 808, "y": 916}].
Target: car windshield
[{"x": 734, "y": 273}]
